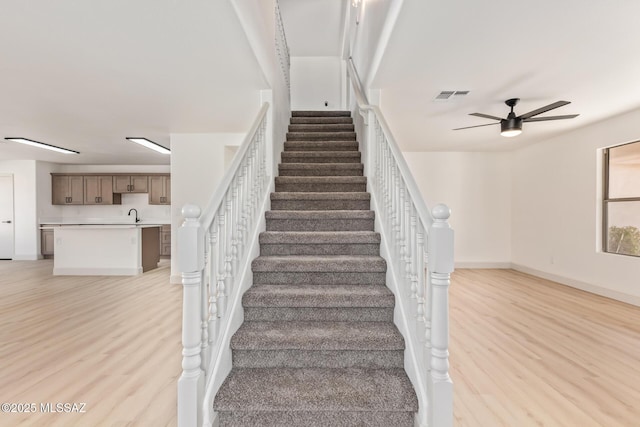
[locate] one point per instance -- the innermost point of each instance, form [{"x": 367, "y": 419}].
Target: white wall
[
  {"x": 366, "y": 35},
  {"x": 197, "y": 167},
  {"x": 314, "y": 80},
  {"x": 25, "y": 201},
  {"x": 477, "y": 188},
  {"x": 557, "y": 210}
]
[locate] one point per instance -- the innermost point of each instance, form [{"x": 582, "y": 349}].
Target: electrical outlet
[{"x": 326, "y": 103}]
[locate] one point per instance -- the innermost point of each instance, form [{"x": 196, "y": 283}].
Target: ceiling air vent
[{"x": 446, "y": 95}]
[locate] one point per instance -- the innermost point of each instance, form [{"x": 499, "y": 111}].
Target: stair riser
[
  {"x": 321, "y": 120},
  {"x": 315, "y": 419},
  {"x": 320, "y": 225},
  {"x": 318, "y": 359},
  {"x": 320, "y": 314},
  {"x": 321, "y": 146},
  {"x": 313, "y": 157},
  {"x": 328, "y": 127},
  {"x": 318, "y": 278},
  {"x": 319, "y": 249},
  {"x": 319, "y": 205},
  {"x": 320, "y": 172},
  {"x": 321, "y": 187},
  {"x": 321, "y": 136}
]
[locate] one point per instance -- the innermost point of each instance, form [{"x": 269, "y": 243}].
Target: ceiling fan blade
[
  {"x": 478, "y": 126},
  {"x": 544, "y": 119},
  {"x": 486, "y": 116},
  {"x": 544, "y": 109}
]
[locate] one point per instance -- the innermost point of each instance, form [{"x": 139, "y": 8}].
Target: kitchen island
[{"x": 106, "y": 249}]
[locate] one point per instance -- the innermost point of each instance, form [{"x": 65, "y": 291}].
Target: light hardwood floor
[{"x": 524, "y": 351}]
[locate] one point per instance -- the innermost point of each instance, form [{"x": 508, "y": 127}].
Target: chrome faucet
[{"x": 133, "y": 209}]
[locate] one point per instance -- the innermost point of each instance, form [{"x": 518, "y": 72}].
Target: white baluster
[
  {"x": 441, "y": 258},
  {"x": 204, "y": 309},
  {"x": 221, "y": 259},
  {"x": 418, "y": 278},
  {"x": 191, "y": 263},
  {"x": 213, "y": 285}
]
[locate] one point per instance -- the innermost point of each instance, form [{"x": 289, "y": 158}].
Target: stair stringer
[
  {"x": 221, "y": 353},
  {"x": 416, "y": 369}
]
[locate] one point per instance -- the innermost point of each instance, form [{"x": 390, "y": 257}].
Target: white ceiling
[
  {"x": 86, "y": 74},
  {"x": 586, "y": 52}
]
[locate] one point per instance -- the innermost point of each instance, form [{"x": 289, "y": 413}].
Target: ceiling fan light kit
[{"x": 512, "y": 125}]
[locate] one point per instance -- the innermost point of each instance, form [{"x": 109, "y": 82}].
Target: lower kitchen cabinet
[
  {"x": 165, "y": 240},
  {"x": 46, "y": 243}
]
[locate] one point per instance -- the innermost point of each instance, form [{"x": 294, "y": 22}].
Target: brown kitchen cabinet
[
  {"x": 67, "y": 190},
  {"x": 98, "y": 190},
  {"x": 130, "y": 184},
  {"x": 46, "y": 243},
  {"x": 165, "y": 240},
  {"x": 160, "y": 190}
]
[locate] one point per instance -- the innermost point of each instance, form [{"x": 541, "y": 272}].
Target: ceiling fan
[{"x": 512, "y": 125}]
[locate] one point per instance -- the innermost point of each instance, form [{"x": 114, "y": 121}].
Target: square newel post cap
[{"x": 190, "y": 241}]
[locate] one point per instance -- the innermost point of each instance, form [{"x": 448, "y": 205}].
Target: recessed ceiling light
[
  {"x": 42, "y": 145},
  {"x": 150, "y": 144}
]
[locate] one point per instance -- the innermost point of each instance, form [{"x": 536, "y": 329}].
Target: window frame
[{"x": 606, "y": 200}]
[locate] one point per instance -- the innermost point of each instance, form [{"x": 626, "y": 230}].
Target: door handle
[{"x": 6, "y": 222}]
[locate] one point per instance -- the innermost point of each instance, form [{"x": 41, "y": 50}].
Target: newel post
[
  {"x": 191, "y": 264},
  {"x": 440, "y": 267}
]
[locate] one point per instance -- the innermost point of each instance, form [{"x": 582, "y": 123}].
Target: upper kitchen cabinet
[
  {"x": 160, "y": 190},
  {"x": 98, "y": 190},
  {"x": 130, "y": 184},
  {"x": 67, "y": 190}
]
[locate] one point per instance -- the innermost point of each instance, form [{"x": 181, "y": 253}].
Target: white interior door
[{"x": 6, "y": 216}]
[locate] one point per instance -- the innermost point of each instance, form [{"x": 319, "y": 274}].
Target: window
[{"x": 621, "y": 210}]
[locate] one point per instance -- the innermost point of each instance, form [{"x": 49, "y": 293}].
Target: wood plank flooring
[
  {"x": 524, "y": 351},
  {"x": 529, "y": 352},
  {"x": 110, "y": 342}
]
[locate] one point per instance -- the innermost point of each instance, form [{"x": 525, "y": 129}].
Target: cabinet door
[
  {"x": 67, "y": 190},
  {"x": 76, "y": 190},
  {"x": 59, "y": 186},
  {"x": 46, "y": 242},
  {"x": 121, "y": 183},
  {"x": 167, "y": 190},
  {"x": 139, "y": 184},
  {"x": 158, "y": 190},
  {"x": 98, "y": 190}
]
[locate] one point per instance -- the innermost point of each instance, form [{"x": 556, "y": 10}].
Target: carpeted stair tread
[
  {"x": 296, "y": 335},
  {"x": 321, "y": 127},
  {"x": 319, "y": 237},
  {"x": 316, "y": 389},
  {"x": 321, "y": 146},
  {"x": 320, "y": 264},
  {"x": 319, "y": 120},
  {"x": 321, "y": 169},
  {"x": 320, "y": 157},
  {"x": 321, "y": 136},
  {"x": 315, "y": 296},
  {"x": 320, "y": 195},
  {"x": 321, "y": 184},
  {"x": 305, "y": 215},
  {"x": 320, "y": 113},
  {"x": 316, "y": 418}
]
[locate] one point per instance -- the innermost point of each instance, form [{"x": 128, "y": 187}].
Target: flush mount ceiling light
[
  {"x": 512, "y": 125},
  {"x": 149, "y": 144},
  {"x": 42, "y": 145}
]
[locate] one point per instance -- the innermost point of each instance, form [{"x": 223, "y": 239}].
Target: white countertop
[
  {"x": 108, "y": 221},
  {"x": 98, "y": 226}
]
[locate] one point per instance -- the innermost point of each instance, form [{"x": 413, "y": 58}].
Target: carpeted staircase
[{"x": 318, "y": 346}]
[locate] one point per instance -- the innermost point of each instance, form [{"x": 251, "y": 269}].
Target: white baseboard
[
  {"x": 481, "y": 264},
  {"x": 588, "y": 287}
]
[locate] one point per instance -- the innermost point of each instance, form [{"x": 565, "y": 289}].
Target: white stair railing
[
  {"x": 418, "y": 246},
  {"x": 214, "y": 254},
  {"x": 282, "y": 48}
]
